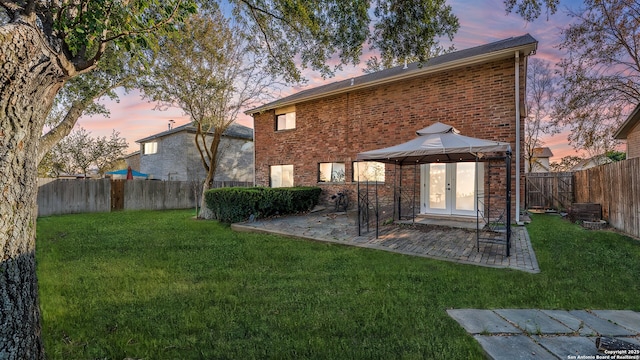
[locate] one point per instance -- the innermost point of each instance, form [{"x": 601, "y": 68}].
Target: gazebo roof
[{"x": 436, "y": 143}]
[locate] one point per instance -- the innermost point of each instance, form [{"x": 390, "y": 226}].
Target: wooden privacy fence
[
  {"x": 56, "y": 197},
  {"x": 616, "y": 187},
  {"x": 553, "y": 190}
]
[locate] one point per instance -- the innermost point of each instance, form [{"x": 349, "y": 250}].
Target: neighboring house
[
  {"x": 591, "y": 162},
  {"x": 539, "y": 160},
  {"x": 133, "y": 160},
  {"x": 172, "y": 155},
  {"x": 313, "y": 137},
  {"x": 630, "y": 131}
]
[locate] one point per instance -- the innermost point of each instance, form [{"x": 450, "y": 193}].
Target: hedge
[{"x": 237, "y": 204}]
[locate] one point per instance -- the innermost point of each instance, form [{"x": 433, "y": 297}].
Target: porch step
[{"x": 461, "y": 222}]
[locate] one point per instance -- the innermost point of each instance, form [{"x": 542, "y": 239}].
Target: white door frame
[{"x": 449, "y": 190}]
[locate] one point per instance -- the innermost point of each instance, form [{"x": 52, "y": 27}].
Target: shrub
[{"x": 238, "y": 204}]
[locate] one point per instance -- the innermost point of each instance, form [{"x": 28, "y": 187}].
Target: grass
[{"x": 160, "y": 285}]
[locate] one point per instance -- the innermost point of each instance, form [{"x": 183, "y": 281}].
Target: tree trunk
[
  {"x": 205, "y": 212},
  {"x": 30, "y": 77}
]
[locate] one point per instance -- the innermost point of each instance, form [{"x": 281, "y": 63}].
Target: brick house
[
  {"x": 313, "y": 137},
  {"x": 630, "y": 131},
  {"x": 172, "y": 155}
]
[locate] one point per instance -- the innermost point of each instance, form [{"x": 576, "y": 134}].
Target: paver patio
[{"x": 432, "y": 241}]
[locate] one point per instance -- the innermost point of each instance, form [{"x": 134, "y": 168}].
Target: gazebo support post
[
  {"x": 413, "y": 205},
  {"x": 377, "y": 211},
  {"x": 477, "y": 207},
  {"x": 508, "y": 196},
  {"x": 367, "y": 191},
  {"x": 359, "y": 207},
  {"x": 395, "y": 190},
  {"x": 400, "y": 194}
]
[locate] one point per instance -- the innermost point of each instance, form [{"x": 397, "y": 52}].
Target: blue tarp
[{"x": 124, "y": 173}]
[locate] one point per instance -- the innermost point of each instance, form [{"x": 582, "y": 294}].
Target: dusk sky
[{"x": 481, "y": 22}]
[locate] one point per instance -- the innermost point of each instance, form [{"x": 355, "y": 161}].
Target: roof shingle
[{"x": 503, "y": 48}]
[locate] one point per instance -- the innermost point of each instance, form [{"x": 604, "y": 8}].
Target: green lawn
[{"x": 160, "y": 285}]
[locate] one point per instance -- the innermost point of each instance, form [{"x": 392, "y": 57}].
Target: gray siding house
[{"x": 172, "y": 155}]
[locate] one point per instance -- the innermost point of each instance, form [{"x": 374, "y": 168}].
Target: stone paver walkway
[
  {"x": 437, "y": 242},
  {"x": 550, "y": 334}
]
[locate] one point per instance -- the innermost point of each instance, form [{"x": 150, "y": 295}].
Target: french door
[{"x": 450, "y": 189}]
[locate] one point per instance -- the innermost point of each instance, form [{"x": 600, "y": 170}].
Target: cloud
[{"x": 133, "y": 117}]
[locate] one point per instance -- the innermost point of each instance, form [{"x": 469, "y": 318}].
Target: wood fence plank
[
  {"x": 81, "y": 196},
  {"x": 616, "y": 187}
]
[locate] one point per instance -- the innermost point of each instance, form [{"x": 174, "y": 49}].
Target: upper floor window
[
  {"x": 281, "y": 176},
  {"x": 371, "y": 171},
  {"x": 286, "y": 118},
  {"x": 150, "y": 148},
  {"x": 331, "y": 172}
]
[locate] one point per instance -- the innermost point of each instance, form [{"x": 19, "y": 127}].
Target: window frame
[
  {"x": 331, "y": 176},
  {"x": 286, "y": 115},
  {"x": 281, "y": 166},
  {"x": 154, "y": 149},
  {"x": 355, "y": 171}
]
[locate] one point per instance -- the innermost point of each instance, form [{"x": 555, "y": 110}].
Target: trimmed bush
[{"x": 237, "y": 204}]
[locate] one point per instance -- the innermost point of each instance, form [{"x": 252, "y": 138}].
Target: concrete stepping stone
[
  {"x": 482, "y": 322},
  {"x": 513, "y": 347},
  {"x": 569, "y": 347},
  {"x": 533, "y": 321},
  {"x": 627, "y": 318},
  {"x": 601, "y": 326},
  {"x": 565, "y": 318}
]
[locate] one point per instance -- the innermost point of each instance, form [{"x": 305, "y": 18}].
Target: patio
[{"x": 431, "y": 240}]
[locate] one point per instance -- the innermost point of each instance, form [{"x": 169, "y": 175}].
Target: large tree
[
  {"x": 540, "y": 99},
  {"x": 212, "y": 71},
  {"x": 79, "y": 152},
  {"x": 600, "y": 73},
  {"x": 45, "y": 44}
]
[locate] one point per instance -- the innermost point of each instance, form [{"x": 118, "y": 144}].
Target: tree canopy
[
  {"x": 320, "y": 33},
  {"x": 212, "y": 71},
  {"x": 541, "y": 88},
  {"x": 600, "y": 75},
  {"x": 531, "y": 9},
  {"x": 79, "y": 152}
]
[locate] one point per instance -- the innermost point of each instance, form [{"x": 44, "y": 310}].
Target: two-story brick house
[
  {"x": 313, "y": 137},
  {"x": 172, "y": 155}
]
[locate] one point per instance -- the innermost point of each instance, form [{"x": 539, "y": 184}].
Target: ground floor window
[
  {"x": 370, "y": 171},
  {"x": 331, "y": 172},
  {"x": 281, "y": 176}
]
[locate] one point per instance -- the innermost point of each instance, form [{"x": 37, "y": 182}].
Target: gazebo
[{"x": 441, "y": 143}]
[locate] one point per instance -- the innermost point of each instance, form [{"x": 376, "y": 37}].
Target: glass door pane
[
  {"x": 438, "y": 186},
  {"x": 465, "y": 186}
]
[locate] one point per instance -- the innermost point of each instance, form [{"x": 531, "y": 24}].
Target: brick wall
[
  {"x": 478, "y": 100},
  {"x": 633, "y": 143}
]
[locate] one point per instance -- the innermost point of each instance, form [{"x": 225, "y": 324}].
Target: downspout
[
  {"x": 517, "y": 90},
  {"x": 253, "y": 120}
]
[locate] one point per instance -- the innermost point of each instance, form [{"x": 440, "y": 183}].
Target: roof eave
[
  {"x": 497, "y": 55},
  {"x": 191, "y": 130},
  {"x": 623, "y": 131}
]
